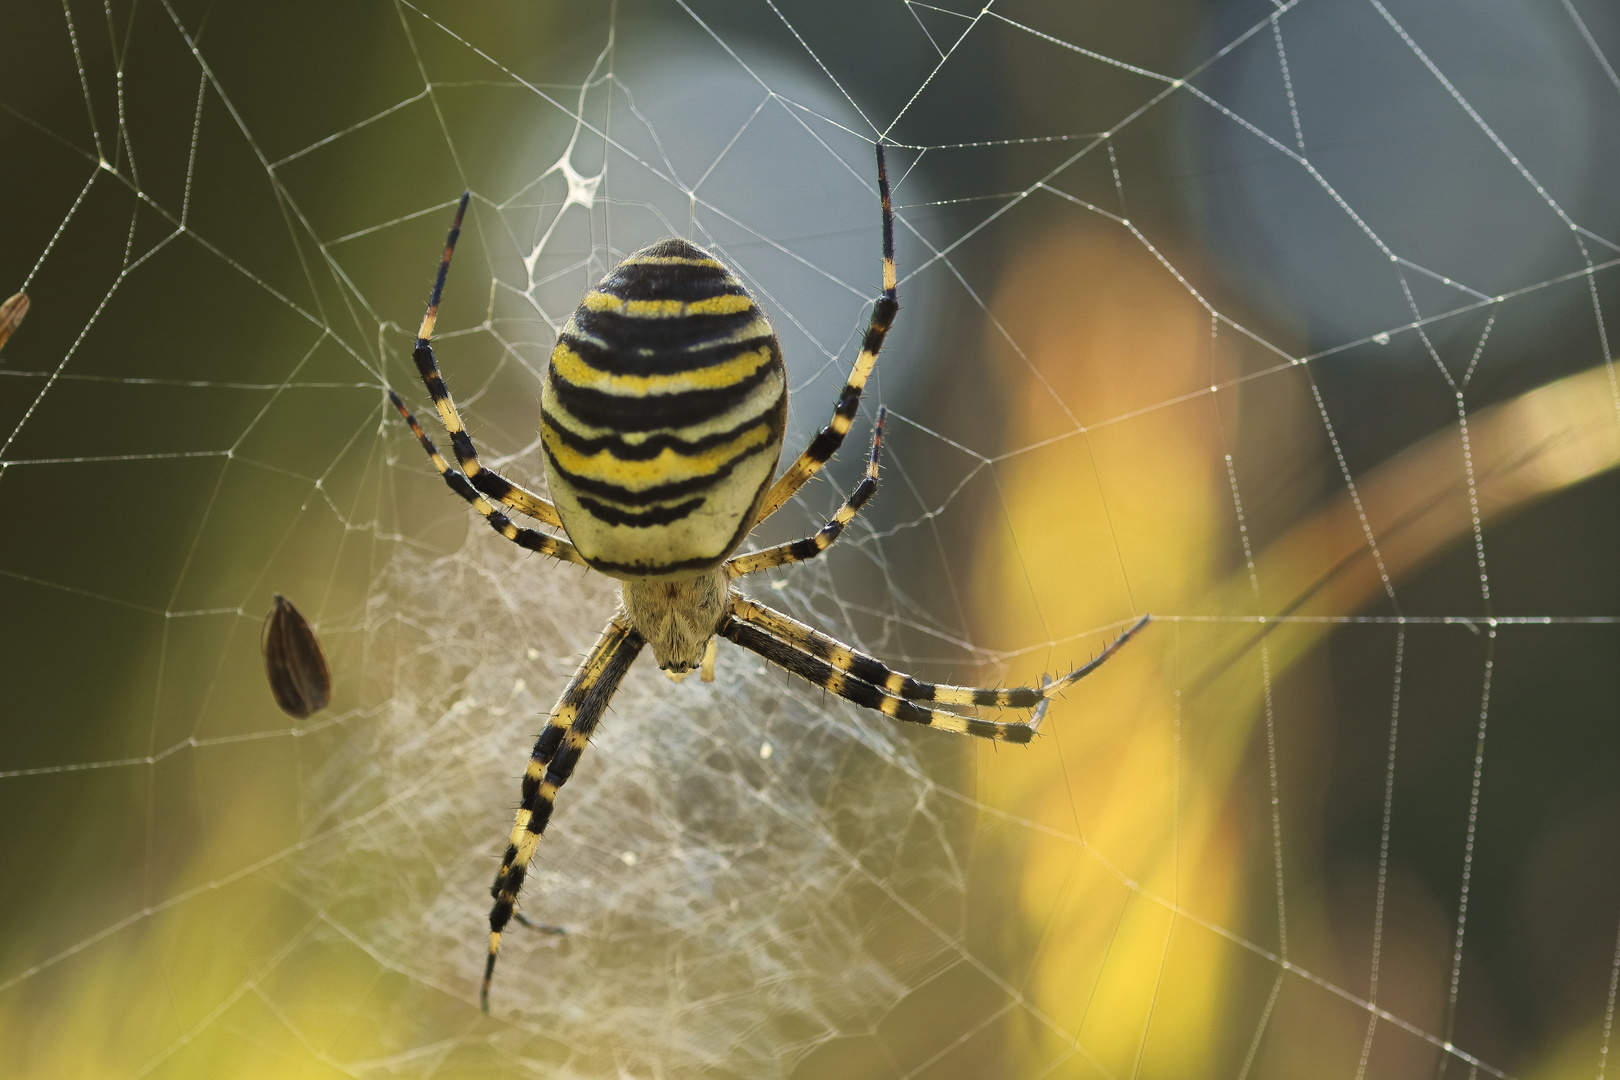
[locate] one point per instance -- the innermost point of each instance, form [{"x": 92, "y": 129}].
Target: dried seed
[
  {"x": 293, "y": 661},
  {"x": 11, "y": 315}
]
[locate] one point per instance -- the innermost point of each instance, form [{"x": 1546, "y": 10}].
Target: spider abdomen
[{"x": 662, "y": 415}]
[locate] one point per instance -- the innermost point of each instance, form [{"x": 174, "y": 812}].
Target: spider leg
[
  {"x": 811, "y": 546},
  {"x": 551, "y": 763},
  {"x": 491, "y": 483},
  {"x": 531, "y": 539},
  {"x": 539, "y": 927},
  {"x": 867, "y": 681},
  {"x": 826, "y": 444}
]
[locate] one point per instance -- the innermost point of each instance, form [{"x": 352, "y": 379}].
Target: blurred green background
[{"x": 1216, "y": 349}]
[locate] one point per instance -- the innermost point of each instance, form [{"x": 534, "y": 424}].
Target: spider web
[{"x": 1289, "y": 323}]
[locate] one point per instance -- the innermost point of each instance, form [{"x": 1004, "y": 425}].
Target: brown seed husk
[
  {"x": 293, "y": 661},
  {"x": 11, "y": 315}
]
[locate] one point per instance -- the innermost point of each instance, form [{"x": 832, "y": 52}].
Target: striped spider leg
[
  {"x": 532, "y": 539},
  {"x": 477, "y": 481},
  {"x": 811, "y": 546},
  {"x": 551, "y": 763},
  {"x": 870, "y": 683},
  {"x": 831, "y": 437},
  {"x": 864, "y": 679},
  {"x": 491, "y": 483}
]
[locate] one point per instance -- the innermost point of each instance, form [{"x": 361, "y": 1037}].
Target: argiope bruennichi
[{"x": 662, "y": 420}]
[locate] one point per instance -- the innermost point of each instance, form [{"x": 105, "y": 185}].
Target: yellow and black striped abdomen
[{"x": 662, "y": 414}]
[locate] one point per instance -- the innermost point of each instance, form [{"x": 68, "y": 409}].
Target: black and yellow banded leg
[
  {"x": 551, "y": 763},
  {"x": 831, "y": 437},
  {"x": 493, "y": 484},
  {"x": 828, "y": 676},
  {"x": 811, "y": 546},
  {"x": 824, "y": 660},
  {"x": 530, "y": 539}
]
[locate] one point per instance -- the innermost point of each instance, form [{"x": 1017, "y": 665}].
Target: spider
[{"x": 662, "y": 420}]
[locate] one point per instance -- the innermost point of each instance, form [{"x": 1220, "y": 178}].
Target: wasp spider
[{"x": 662, "y": 420}]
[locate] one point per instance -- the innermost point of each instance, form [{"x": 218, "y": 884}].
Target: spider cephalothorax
[
  {"x": 678, "y": 616},
  {"x": 662, "y": 418}
]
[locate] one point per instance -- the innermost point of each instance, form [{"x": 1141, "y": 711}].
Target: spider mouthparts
[{"x": 675, "y": 676}]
